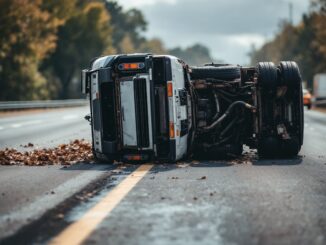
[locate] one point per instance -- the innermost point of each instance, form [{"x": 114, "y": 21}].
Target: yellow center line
[{"x": 77, "y": 232}]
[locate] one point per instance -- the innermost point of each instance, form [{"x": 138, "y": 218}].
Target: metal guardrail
[{"x": 39, "y": 104}]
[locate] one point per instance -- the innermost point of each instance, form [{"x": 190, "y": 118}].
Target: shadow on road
[
  {"x": 269, "y": 162},
  {"x": 246, "y": 159},
  {"x": 89, "y": 166}
]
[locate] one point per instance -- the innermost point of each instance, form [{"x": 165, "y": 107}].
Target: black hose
[
  {"x": 227, "y": 112},
  {"x": 217, "y": 103}
]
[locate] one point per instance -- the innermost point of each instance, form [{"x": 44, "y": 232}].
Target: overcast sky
[{"x": 227, "y": 27}]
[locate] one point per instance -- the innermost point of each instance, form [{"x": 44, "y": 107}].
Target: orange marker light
[
  {"x": 170, "y": 90},
  {"x": 171, "y": 130},
  {"x": 131, "y": 66},
  {"x": 134, "y": 158}
]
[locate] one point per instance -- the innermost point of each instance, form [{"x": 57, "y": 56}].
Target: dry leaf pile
[{"x": 65, "y": 154}]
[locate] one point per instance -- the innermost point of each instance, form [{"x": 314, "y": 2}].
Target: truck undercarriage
[
  {"x": 146, "y": 107},
  {"x": 260, "y": 107}
]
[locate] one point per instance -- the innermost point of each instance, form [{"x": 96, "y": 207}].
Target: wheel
[
  {"x": 309, "y": 106},
  {"x": 227, "y": 73},
  {"x": 267, "y": 76},
  {"x": 267, "y": 84},
  {"x": 290, "y": 76}
]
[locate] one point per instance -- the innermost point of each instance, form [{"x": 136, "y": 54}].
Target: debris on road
[
  {"x": 183, "y": 165},
  {"x": 28, "y": 145},
  {"x": 246, "y": 158},
  {"x": 76, "y": 151},
  {"x": 202, "y": 178}
]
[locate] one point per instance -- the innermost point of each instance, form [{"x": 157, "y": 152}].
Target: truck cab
[{"x": 140, "y": 107}]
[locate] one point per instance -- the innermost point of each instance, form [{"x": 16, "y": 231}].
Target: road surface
[
  {"x": 47, "y": 128},
  {"x": 216, "y": 202}
]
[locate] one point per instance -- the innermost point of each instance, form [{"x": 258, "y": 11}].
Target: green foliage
[
  {"x": 84, "y": 35},
  {"x": 27, "y": 35},
  {"x": 127, "y": 27},
  {"x": 45, "y": 43},
  {"x": 304, "y": 43},
  {"x": 194, "y": 55},
  {"x": 154, "y": 46}
]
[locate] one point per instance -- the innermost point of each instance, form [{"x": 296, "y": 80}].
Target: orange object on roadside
[{"x": 307, "y": 98}]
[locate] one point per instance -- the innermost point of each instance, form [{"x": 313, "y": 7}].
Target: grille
[
  {"x": 141, "y": 112},
  {"x": 108, "y": 111}
]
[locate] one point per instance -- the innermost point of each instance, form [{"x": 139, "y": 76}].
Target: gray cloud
[{"x": 227, "y": 27}]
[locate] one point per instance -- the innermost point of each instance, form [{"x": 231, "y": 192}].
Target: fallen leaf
[{"x": 65, "y": 154}]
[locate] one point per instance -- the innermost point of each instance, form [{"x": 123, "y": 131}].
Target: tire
[
  {"x": 267, "y": 83},
  {"x": 267, "y": 76},
  {"x": 309, "y": 106},
  {"x": 290, "y": 76},
  {"x": 290, "y": 73},
  {"x": 226, "y": 73}
]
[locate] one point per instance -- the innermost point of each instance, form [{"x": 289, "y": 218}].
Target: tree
[
  {"x": 86, "y": 34},
  {"x": 154, "y": 46},
  {"x": 304, "y": 43},
  {"x": 27, "y": 35},
  {"x": 127, "y": 27},
  {"x": 197, "y": 54}
]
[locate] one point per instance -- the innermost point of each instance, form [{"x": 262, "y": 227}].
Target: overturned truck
[{"x": 155, "y": 107}]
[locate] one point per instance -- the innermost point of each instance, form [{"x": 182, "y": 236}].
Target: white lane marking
[
  {"x": 69, "y": 117},
  {"x": 19, "y": 125},
  {"x": 312, "y": 129},
  {"x": 1, "y": 128}
]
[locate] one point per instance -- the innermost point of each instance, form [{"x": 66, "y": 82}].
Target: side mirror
[
  {"x": 88, "y": 118},
  {"x": 84, "y": 81}
]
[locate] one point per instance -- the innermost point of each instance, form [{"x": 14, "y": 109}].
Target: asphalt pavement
[
  {"x": 217, "y": 202},
  {"x": 45, "y": 128}
]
